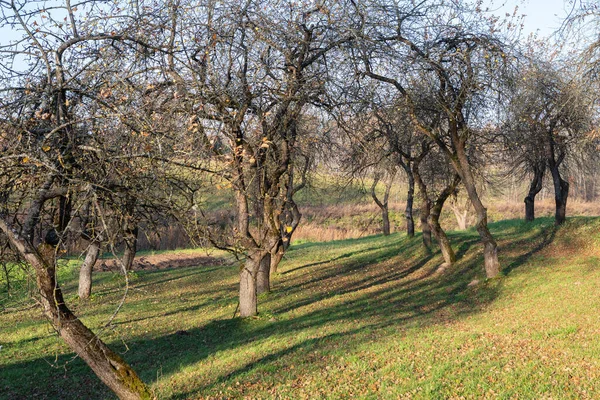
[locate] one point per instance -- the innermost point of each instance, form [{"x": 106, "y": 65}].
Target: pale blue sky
[{"x": 541, "y": 16}]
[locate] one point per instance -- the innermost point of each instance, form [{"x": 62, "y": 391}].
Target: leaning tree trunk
[
  {"x": 263, "y": 276},
  {"x": 425, "y": 207},
  {"x": 85, "y": 273},
  {"x": 534, "y": 189},
  {"x": 112, "y": 370},
  {"x": 439, "y": 233},
  {"x": 490, "y": 248}
]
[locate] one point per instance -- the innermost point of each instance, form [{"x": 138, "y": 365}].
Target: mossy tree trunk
[{"x": 112, "y": 370}]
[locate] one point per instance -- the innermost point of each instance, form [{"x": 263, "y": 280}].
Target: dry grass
[{"x": 351, "y": 221}]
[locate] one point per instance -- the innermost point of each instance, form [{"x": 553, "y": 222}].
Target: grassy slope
[{"x": 365, "y": 318}]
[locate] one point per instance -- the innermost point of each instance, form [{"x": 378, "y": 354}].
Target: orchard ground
[{"x": 364, "y": 318}]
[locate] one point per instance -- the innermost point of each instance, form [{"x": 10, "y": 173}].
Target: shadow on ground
[{"x": 389, "y": 286}]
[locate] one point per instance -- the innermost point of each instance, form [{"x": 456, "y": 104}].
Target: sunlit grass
[{"x": 366, "y": 318}]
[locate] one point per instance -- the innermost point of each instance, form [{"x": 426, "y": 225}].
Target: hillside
[{"x": 364, "y": 318}]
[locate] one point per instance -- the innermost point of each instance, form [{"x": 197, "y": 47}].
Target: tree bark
[
  {"x": 288, "y": 222},
  {"x": 277, "y": 256},
  {"x": 461, "y": 215},
  {"x": 85, "y": 273},
  {"x": 112, "y": 370},
  {"x": 383, "y": 204},
  {"x": 439, "y": 233},
  {"x": 425, "y": 206},
  {"x": 248, "y": 295},
  {"x": 490, "y": 248},
  {"x": 131, "y": 235},
  {"x": 410, "y": 198},
  {"x": 7, "y": 277},
  {"x": 561, "y": 193},
  {"x": 534, "y": 189},
  {"x": 263, "y": 278}
]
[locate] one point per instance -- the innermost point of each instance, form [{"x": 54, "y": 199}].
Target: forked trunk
[
  {"x": 112, "y": 370},
  {"x": 85, "y": 273},
  {"x": 383, "y": 204},
  {"x": 534, "y": 189},
  {"x": 263, "y": 277},
  {"x": 439, "y": 233},
  {"x": 461, "y": 215}
]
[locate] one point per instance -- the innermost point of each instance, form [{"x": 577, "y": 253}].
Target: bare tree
[
  {"x": 458, "y": 55},
  {"x": 241, "y": 78},
  {"x": 50, "y": 167},
  {"x": 549, "y": 115}
]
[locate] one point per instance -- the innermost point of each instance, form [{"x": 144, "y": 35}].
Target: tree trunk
[
  {"x": 263, "y": 278},
  {"x": 383, "y": 204},
  {"x": 112, "y": 370},
  {"x": 490, "y": 248},
  {"x": 408, "y": 212},
  {"x": 248, "y": 295},
  {"x": 561, "y": 193},
  {"x": 534, "y": 189},
  {"x": 461, "y": 215},
  {"x": 85, "y": 273},
  {"x": 425, "y": 206},
  {"x": 288, "y": 222},
  {"x": 440, "y": 235},
  {"x": 7, "y": 277},
  {"x": 130, "y": 247},
  {"x": 386, "y": 221},
  {"x": 276, "y": 256}
]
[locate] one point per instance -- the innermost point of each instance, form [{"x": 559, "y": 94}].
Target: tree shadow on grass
[
  {"x": 547, "y": 236},
  {"x": 372, "y": 290}
]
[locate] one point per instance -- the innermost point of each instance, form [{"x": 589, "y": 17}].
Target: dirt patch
[{"x": 161, "y": 261}]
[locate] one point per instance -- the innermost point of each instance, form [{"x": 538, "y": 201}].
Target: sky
[{"x": 543, "y": 17}]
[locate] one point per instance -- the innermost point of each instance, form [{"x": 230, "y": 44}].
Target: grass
[{"x": 365, "y": 318}]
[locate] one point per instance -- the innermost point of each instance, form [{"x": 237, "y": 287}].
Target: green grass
[{"x": 366, "y": 318}]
